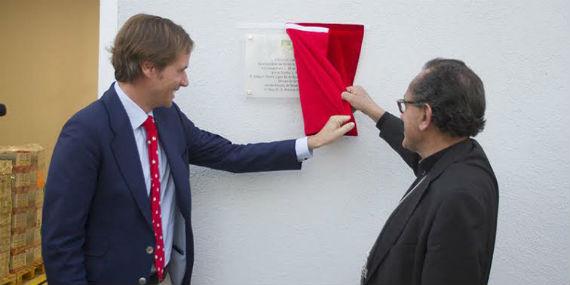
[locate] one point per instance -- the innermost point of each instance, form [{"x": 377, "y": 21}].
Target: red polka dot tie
[{"x": 152, "y": 142}]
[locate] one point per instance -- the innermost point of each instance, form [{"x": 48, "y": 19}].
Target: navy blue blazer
[{"x": 96, "y": 216}]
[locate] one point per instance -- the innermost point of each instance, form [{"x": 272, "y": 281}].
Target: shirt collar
[
  {"x": 136, "y": 114},
  {"x": 425, "y": 165}
]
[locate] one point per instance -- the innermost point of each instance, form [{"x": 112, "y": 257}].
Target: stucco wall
[{"x": 315, "y": 226}]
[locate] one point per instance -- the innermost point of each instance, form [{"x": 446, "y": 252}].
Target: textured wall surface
[{"x": 315, "y": 226}]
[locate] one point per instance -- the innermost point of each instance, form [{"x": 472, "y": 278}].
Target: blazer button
[
  {"x": 149, "y": 250},
  {"x": 142, "y": 281}
]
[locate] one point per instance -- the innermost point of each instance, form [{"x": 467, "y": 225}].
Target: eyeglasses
[{"x": 402, "y": 104}]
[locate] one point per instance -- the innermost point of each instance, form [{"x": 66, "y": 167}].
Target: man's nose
[{"x": 184, "y": 81}]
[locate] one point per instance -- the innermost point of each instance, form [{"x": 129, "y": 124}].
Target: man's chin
[{"x": 406, "y": 145}]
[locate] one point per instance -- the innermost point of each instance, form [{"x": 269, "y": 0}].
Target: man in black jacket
[{"x": 443, "y": 230}]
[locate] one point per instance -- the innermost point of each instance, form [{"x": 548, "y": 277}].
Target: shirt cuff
[{"x": 302, "y": 149}]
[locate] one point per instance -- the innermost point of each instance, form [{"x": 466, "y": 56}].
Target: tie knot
[{"x": 149, "y": 126}]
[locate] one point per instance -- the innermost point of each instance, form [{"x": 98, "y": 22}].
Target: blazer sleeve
[
  {"x": 392, "y": 131},
  {"x": 69, "y": 189},
  {"x": 456, "y": 243},
  {"x": 213, "y": 151}
]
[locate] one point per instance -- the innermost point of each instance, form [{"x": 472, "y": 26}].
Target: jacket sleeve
[
  {"x": 456, "y": 243},
  {"x": 69, "y": 189},
  {"x": 213, "y": 151},
  {"x": 392, "y": 131}
]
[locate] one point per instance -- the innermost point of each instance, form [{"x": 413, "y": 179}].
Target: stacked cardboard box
[
  {"x": 5, "y": 215},
  {"x": 28, "y": 168}
]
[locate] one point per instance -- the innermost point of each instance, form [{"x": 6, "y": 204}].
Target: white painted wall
[
  {"x": 316, "y": 226},
  {"x": 108, "y": 13}
]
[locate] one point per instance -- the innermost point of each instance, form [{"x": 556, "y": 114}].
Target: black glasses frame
[{"x": 402, "y": 104}]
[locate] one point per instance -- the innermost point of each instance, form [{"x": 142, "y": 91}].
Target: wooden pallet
[
  {"x": 39, "y": 280},
  {"x": 28, "y": 273},
  {"x": 8, "y": 279}
]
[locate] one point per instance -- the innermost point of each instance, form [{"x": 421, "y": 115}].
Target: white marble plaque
[{"x": 270, "y": 69}]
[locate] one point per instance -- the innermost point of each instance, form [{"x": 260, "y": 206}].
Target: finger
[
  {"x": 346, "y": 128},
  {"x": 340, "y": 119},
  {"x": 357, "y": 89},
  {"x": 345, "y": 95},
  {"x": 349, "y": 88}
]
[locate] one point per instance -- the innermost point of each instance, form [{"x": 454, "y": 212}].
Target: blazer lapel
[
  {"x": 125, "y": 151},
  {"x": 399, "y": 218},
  {"x": 394, "y": 227},
  {"x": 171, "y": 140}
]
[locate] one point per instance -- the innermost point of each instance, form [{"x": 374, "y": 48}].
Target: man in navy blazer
[{"x": 97, "y": 221}]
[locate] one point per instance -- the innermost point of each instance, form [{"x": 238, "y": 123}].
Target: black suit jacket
[{"x": 443, "y": 232}]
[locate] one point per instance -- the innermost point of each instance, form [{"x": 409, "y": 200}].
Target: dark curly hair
[{"x": 455, "y": 94}]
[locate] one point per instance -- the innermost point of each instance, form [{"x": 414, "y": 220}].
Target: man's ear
[
  {"x": 148, "y": 69},
  {"x": 426, "y": 117}
]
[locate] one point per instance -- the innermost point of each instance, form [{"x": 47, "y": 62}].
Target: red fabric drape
[{"x": 326, "y": 64}]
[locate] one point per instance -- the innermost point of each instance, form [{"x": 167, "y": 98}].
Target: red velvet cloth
[{"x": 326, "y": 65}]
